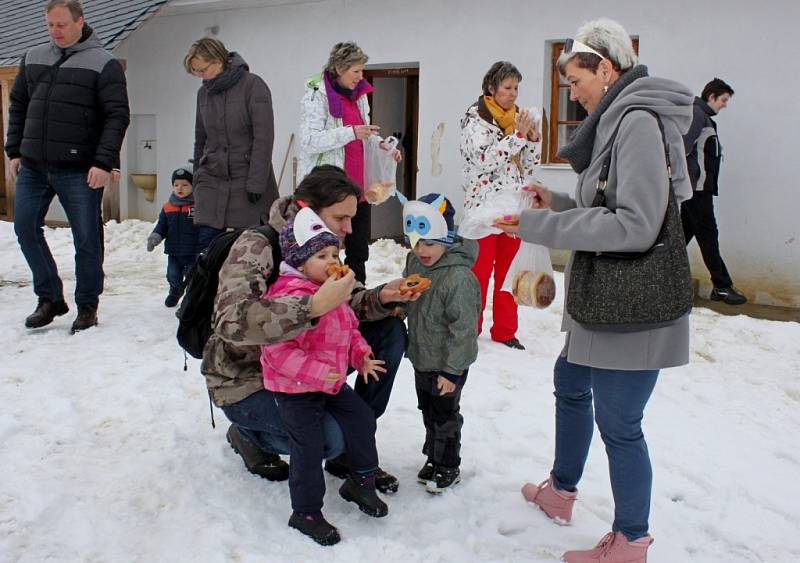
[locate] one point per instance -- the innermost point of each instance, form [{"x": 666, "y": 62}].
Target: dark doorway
[{"x": 394, "y": 106}]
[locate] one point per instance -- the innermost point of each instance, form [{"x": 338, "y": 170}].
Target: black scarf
[
  {"x": 579, "y": 149},
  {"x": 227, "y": 78}
]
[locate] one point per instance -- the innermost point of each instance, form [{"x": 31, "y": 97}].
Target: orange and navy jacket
[{"x": 176, "y": 227}]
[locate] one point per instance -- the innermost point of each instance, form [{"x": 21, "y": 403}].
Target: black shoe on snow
[
  {"x": 172, "y": 300},
  {"x": 427, "y": 473},
  {"x": 316, "y": 527},
  {"x": 514, "y": 344},
  {"x": 361, "y": 490},
  {"x": 338, "y": 466},
  {"x": 45, "y": 312},
  {"x": 728, "y": 295},
  {"x": 386, "y": 482},
  {"x": 444, "y": 478},
  {"x": 258, "y": 462},
  {"x": 87, "y": 318}
]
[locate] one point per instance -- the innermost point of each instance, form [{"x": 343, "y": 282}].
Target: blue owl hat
[{"x": 429, "y": 218}]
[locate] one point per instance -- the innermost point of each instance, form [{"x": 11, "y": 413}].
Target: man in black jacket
[
  {"x": 67, "y": 118},
  {"x": 703, "y": 156}
]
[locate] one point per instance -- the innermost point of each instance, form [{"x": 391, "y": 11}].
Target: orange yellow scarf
[{"x": 505, "y": 118}]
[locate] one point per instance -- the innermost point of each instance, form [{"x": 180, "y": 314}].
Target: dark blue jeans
[
  {"x": 205, "y": 235},
  {"x": 302, "y": 415},
  {"x": 388, "y": 339},
  {"x": 177, "y": 269},
  {"x": 34, "y": 193},
  {"x": 619, "y": 401},
  {"x": 258, "y": 420}
]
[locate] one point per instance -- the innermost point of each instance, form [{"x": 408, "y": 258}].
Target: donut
[
  {"x": 544, "y": 290},
  {"x": 531, "y": 289},
  {"x": 338, "y": 270},
  {"x": 414, "y": 284},
  {"x": 506, "y": 220},
  {"x": 378, "y": 192}
]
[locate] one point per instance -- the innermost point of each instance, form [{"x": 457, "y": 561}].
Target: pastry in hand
[
  {"x": 414, "y": 284},
  {"x": 338, "y": 270},
  {"x": 507, "y": 220}
]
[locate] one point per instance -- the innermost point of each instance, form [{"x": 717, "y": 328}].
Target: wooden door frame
[{"x": 7, "y": 76}]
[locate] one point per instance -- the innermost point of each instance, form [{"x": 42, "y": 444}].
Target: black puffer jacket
[
  {"x": 69, "y": 107},
  {"x": 703, "y": 150}
]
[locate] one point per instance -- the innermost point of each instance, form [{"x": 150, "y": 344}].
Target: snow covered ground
[{"x": 108, "y": 453}]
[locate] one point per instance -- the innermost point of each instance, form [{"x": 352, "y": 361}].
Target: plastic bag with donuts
[{"x": 530, "y": 277}]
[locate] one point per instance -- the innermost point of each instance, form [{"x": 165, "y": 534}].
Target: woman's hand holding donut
[
  {"x": 363, "y": 131},
  {"x": 390, "y": 293}
]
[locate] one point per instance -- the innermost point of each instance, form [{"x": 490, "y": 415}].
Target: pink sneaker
[
  {"x": 555, "y": 503},
  {"x": 613, "y": 548}
]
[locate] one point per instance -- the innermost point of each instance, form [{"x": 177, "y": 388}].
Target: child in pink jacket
[{"x": 308, "y": 377}]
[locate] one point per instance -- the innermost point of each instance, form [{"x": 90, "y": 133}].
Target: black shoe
[
  {"x": 729, "y": 295},
  {"x": 258, "y": 462},
  {"x": 45, "y": 312},
  {"x": 427, "y": 473},
  {"x": 386, "y": 482},
  {"x": 361, "y": 490},
  {"x": 338, "y": 466},
  {"x": 172, "y": 299},
  {"x": 316, "y": 527},
  {"x": 87, "y": 318},
  {"x": 514, "y": 343},
  {"x": 444, "y": 479}
]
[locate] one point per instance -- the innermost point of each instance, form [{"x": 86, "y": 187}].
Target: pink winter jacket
[{"x": 300, "y": 365}]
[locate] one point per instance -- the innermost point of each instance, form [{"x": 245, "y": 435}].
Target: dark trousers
[
  {"x": 441, "y": 415},
  {"x": 177, "y": 269},
  {"x": 388, "y": 339},
  {"x": 697, "y": 216},
  {"x": 205, "y": 235},
  {"x": 357, "y": 243},
  {"x": 302, "y": 414},
  {"x": 35, "y": 191}
]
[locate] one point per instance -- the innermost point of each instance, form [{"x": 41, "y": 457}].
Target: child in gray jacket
[{"x": 442, "y": 331}]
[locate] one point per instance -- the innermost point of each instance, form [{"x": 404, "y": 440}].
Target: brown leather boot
[
  {"x": 45, "y": 312},
  {"x": 87, "y": 318}
]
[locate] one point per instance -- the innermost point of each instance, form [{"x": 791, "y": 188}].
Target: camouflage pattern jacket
[{"x": 242, "y": 320}]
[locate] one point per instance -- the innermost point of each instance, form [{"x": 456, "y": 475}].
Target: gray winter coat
[
  {"x": 234, "y": 134},
  {"x": 637, "y": 191},
  {"x": 443, "y": 322}
]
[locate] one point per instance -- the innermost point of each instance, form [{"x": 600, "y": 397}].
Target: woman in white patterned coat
[
  {"x": 501, "y": 148},
  {"x": 334, "y": 121}
]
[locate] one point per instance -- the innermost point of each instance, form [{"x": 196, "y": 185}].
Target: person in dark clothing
[
  {"x": 234, "y": 182},
  {"x": 176, "y": 227},
  {"x": 703, "y": 156},
  {"x": 67, "y": 118}
]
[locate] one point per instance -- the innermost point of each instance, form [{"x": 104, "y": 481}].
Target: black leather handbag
[{"x": 629, "y": 291}]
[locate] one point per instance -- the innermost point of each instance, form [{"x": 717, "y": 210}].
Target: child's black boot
[
  {"x": 427, "y": 473},
  {"x": 314, "y": 525},
  {"x": 360, "y": 489},
  {"x": 444, "y": 478}
]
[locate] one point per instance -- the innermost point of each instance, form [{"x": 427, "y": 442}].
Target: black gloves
[{"x": 253, "y": 197}]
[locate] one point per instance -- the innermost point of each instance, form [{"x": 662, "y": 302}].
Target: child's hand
[
  {"x": 444, "y": 385},
  {"x": 152, "y": 241},
  {"x": 332, "y": 377},
  {"x": 371, "y": 367}
]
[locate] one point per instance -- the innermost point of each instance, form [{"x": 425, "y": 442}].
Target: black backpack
[{"x": 197, "y": 306}]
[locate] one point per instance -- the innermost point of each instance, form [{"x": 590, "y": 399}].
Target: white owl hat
[
  {"x": 304, "y": 236},
  {"x": 431, "y": 218}
]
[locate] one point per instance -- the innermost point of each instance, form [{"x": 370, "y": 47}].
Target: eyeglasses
[
  {"x": 573, "y": 47},
  {"x": 201, "y": 71}
]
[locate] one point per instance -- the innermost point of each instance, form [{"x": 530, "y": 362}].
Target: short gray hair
[
  {"x": 607, "y": 37},
  {"x": 343, "y": 56},
  {"x": 74, "y": 7}
]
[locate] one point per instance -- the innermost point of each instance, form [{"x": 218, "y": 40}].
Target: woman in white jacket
[
  {"x": 334, "y": 120},
  {"x": 501, "y": 148}
]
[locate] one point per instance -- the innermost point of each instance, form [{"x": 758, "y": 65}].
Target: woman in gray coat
[
  {"x": 613, "y": 371},
  {"x": 234, "y": 183}
]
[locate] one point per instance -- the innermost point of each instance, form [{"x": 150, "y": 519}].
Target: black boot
[
  {"x": 444, "y": 478},
  {"x": 340, "y": 467},
  {"x": 258, "y": 462},
  {"x": 360, "y": 489},
  {"x": 45, "y": 312},
  {"x": 514, "y": 344},
  {"x": 427, "y": 473},
  {"x": 315, "y": 526},
  {"x": 729, "y": 295},
  {"x": 87, "y": 318},
  {"x": 172, "y": 299}
]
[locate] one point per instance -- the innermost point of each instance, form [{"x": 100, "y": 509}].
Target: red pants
[{"x": 496, "y": 253}]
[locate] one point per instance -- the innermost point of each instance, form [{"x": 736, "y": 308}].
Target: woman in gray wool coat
[
  {"x": 614, "y": 372},
  {"x": 234, "y": 183}
]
